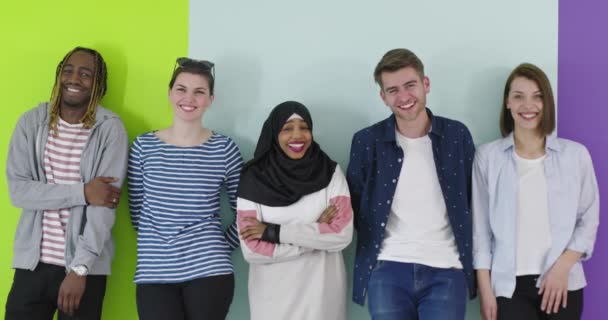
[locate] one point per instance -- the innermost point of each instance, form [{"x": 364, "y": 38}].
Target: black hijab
[{"x": 273, "y": 179}]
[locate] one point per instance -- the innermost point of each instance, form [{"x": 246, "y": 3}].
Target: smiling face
[
  {"x": 295, "y": 137},
  {"x": 77, "y": 76},
  {"x": 190, "y": 96},
  {"x": 525, "y": 102},
  {"x": 404, "y": 92}
]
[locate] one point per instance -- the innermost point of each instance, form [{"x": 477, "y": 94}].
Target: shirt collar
[
  {"x": 551, "y": 142},
  {"x": 390, "y": 125}
]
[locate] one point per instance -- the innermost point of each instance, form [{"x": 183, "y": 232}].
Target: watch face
[{"x": 80, "y": 270}]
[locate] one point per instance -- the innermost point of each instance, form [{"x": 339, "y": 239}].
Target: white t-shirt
[
  {"x": 533, "y": 233},
  {"x": 418, "y": 230}
]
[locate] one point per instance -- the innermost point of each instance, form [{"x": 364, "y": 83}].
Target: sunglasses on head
[
  {"x": 204, "y": 65},
  {"x": 186, "y": 62}
]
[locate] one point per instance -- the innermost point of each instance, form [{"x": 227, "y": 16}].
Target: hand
[
  {"x": 100, "y": 192},
  {"x": 554, "y": 288},
  {"x": 328, "y": 214},
  {"x": 487, "y": 305},
  {"x": 253, "y": 230},
  {"x": 70, "y": 293}
]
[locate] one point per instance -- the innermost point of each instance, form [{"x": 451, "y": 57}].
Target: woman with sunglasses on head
[
  {"x": 535, "y": 209},
  {"x": 294, "y": 217},
  {"x": 184, "y": 269}
]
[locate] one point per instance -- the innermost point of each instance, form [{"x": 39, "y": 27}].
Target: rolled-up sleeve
[
  {"x": 588, "y": 211},
  {"x": 482, "y": 235}
]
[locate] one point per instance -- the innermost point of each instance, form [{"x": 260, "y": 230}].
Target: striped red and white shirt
[{"x": 61, "y": 166}]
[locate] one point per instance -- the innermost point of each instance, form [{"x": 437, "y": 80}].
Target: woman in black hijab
[{"x": 295, "y": 217}]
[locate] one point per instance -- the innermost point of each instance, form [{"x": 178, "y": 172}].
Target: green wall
[{"x": 139, "y": 41}]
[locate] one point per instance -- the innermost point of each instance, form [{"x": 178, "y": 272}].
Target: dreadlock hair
[{"x": 99, "y": 88}]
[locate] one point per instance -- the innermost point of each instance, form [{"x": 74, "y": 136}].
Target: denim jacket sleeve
[
  {"x": 469, "y": 155},
  {"x": 356, "y": 175}
]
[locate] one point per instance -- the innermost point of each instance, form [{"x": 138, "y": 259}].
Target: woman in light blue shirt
[{"x": 535, "y": 209}]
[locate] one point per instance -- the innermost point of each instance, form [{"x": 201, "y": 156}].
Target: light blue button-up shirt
[{"x": 572, "y": 196}]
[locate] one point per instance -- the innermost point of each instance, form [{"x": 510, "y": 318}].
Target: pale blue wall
[{"x": 322, "y": 53}]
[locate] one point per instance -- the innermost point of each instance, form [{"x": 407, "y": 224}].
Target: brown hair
[
  {"x": 397, "y": 59},
  {"x": 100, "y": 86},
  {"x": 533, "y": 73}
]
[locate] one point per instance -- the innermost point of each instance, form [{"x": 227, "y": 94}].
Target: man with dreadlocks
[{"x": 66, "y": 162}]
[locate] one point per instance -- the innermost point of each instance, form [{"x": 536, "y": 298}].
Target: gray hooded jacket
[{"x": 89, "y": 229}]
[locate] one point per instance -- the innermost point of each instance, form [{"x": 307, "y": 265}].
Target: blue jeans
[{"x": 410, "y": 291}]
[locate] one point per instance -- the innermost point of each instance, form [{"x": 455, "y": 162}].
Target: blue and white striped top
[{"x": 174, "y": 199}]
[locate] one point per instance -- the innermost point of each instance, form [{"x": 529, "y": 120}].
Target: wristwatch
[{"x": 80, "y": 270}]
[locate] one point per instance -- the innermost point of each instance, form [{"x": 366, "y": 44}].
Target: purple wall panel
[{"x": 583, "y": 116}]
